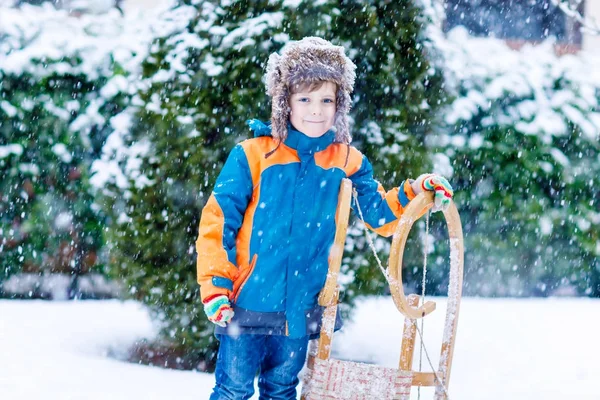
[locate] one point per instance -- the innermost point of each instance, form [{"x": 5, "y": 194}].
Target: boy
[{"x": 266, "y": 230}]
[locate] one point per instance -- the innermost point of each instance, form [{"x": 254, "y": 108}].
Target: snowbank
[{"x": 506, "y": 348}]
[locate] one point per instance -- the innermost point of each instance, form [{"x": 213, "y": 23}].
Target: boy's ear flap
[
  {"x": 280, "y": 113},
  {"x": 341, "y": 122},
  {"x": 273, "y": 74}
]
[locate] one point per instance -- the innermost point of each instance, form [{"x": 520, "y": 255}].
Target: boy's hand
[
  {"x": 439, "y": 184},
  {"x": 218, "y": 310}
]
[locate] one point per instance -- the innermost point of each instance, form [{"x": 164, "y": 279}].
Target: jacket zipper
[{"x": 236, "y": 294}]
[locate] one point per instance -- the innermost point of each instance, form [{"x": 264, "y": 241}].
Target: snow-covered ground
[{"x": 506, "y": 349}]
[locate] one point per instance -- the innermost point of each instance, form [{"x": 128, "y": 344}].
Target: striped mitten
[
  {"x": 218, "y": 310},
  {"x": 441, "y": 187}
]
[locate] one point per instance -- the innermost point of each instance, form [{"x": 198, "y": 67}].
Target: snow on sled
[{"x": 331, "y": 379}]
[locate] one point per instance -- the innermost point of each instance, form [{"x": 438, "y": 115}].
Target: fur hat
[{"x": 306, "y": 61}]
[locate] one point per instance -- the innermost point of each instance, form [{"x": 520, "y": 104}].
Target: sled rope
[
  {"x": 386, "y": 275},
  {"x": 435, "y": 374},
  {"x": 370, "y": 239}
]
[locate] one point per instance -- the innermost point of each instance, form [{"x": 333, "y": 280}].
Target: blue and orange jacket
[{"x": 267, "y": 228}]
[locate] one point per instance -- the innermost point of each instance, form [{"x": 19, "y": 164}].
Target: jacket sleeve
[
  {"x": 221, "y": 219},
  {"x": 381, "y": 210}
]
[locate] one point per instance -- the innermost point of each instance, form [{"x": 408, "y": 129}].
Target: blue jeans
[{"x": 278, "y": 359}]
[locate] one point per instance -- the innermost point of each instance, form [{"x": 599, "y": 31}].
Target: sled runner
[{"x": 331, "y": 379}]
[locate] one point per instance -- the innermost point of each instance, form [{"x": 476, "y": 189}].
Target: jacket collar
[
  {"x": 295, "y": 139},
  {"x": 306, "y": 144}
]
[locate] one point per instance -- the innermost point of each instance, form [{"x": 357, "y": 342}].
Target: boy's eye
[{"x": 306, "y": 99}]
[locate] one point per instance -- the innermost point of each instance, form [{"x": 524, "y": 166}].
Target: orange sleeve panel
[
  {"x": 381, "y": 210},
  {"x": 344, "y": 157},
  {"x": 220, "y": 222},
  {"x": 212, "y": 257},
  {"x": 355, "y": 160},
  {"x": 256, "y": 149},
  {"x": 391, "y": 198}
]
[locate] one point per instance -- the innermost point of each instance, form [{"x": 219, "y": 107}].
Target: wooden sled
[{"x": 330, "y": 379}]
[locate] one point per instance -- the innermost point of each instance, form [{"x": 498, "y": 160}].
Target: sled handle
[
  {"x": 416, "y": 208},
  {"x": 329, "y": 293}
]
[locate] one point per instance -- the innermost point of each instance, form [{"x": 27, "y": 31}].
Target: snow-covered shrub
[
  {"x": 61, "y": 80},
  {"x": 523, "y": 140},
  {"x": 200, "y": 85}
]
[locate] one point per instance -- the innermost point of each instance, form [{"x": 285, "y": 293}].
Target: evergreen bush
[
  {"x": 57, "y": 96},
  {"x": 201, "y": 85},
  {"x": 523, "y": 139}
]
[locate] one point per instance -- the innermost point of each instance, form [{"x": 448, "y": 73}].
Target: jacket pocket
[{"x": 239, "y": 283}]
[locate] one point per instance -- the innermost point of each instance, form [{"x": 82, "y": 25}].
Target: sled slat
[
  {"x": 347, "y": 380},
  {"x": 423, "y": 379}
]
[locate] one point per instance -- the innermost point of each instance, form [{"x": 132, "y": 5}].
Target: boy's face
[{"x": 313, "y": 113}]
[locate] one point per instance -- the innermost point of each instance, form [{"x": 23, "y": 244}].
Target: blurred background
[{"x": 116, "y": 117}]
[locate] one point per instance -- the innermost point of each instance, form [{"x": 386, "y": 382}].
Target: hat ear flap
[
  {"x": 340, "y": 126},
  {"x": 280, "y": 112},
  {"x": 342, "y": 130},
  {"x": 273, "y": 74}
]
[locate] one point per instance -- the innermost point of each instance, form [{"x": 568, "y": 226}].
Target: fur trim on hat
[{"x": 305, "y": 61}]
